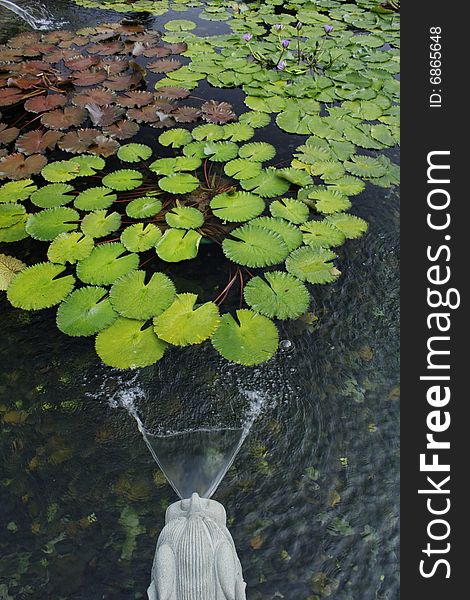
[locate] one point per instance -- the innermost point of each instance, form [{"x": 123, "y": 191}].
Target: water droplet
[{"x": 286, "y": 345}]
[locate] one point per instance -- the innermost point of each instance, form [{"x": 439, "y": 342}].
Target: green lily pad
[
  {"x": 241, "y": 168},
  {"x": 220, "y": 151},
  {"x": 182, "y": 324},
  {"x": 106, "y": 263},
  {"x": 255, "y": 119},
  {"x": 140, "y": 237},
  {"x": 180, "y": 183},
  {"x": 14, "y": 191},
  {"x": 61, "y": 171},
  {"x": 184, "y": 217},
  {"x": 170, "y": 166},
  {"x": 99, "y": 223},
  {"x": 128, "y": 344},
  {"x": 11, "y": 214},
  {"x": 313, "y": 265},
  {"x": 365, "y": 166},
  {"x": 267, "y": 184},
  {"x": 95, "y": 198},
  {"x": 290, "y": 233},
  {"x": 176, "y": 138},
  {"x": 321, "y": 234},
  {"x": 134, "y": 153},
  {"x": 294, "y": 211},
  {"x": 52, "y": 195},
  {"x": 85, "y": 312},
  {"x": 254, "y": 246},
  {"x": 237, "y": 206},
  {"x": 328, "y": 201},
  {"x": 352, "y": 227},
  {"x": 257, "y": 151},
  {"x": 70, "y": 247},
  {"x": 16, "y": 232},
  {"x": 178, "y": 244},
  {"x": 40, "y": 286},
  {"x": 47, "y": 224},
  {"x": 122, "y": 180},
  {"x": 238, "y": 132},
  {"x": 280, "y": 295},
  {"x": 208, "y": 132},
  {"x": 180, "y": 25},
  {"x": 133, "y": 297},
  {"x": 250, "y": 339},
  {"x": 141, "y": 208}
]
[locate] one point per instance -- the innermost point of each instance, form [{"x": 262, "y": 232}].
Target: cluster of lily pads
[{"x": 114, "y": 228}]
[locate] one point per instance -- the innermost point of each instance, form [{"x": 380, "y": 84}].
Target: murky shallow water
[{"x": 312, "y": 497}]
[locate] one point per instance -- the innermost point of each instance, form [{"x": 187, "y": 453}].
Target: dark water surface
[{"x": 312, "y": 498}]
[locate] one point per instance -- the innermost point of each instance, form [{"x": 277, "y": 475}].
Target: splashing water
[
  {"x": 36, "y": 16},
  {"x": 193, "y": 458}
]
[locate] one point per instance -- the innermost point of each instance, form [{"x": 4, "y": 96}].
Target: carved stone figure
[{"x": 195, "y": 557}]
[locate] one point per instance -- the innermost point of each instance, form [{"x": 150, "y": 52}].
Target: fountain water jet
[{"x": 37, "y": 17}]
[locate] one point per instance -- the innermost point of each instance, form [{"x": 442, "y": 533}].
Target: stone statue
[{"x": 195, "y": 557}]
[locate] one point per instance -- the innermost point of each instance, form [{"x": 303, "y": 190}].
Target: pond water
[{"x": 312, "y": 497}]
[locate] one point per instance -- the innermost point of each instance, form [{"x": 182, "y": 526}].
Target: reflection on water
[{"x": 312, "y": 496}]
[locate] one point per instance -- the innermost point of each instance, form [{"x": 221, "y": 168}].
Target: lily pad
[
  {"x": 184, "y": 217},
  {"x": 182, "y": 324},
  {"x": 14, "y": 191},
  {"x": 134, "y": 153},
  {"x": 352, "y": 227},
  {"x": 250, "y": 339},
  {"x": 133, "y": 297},
  {"x": 40, "y": 286},
  {"x": 52, "y": 195},
  {"x": 237, "y": 206},
  {"x": 85, "y": 312},
  {"x": 293, "y": 211},
  {"x": 70, "y": 247},
  {"x": 123, "y": 180},
  {"x": 95, "y": 198},
  {"x": 280, "y": 295},
  {"x": 49, "y": 223},
  {"x": 141, "y": 208},
  {"x": 140, "y": 237},
  {"x": 321, "y": 234},
  {"x": 313, "y": 265},
  {"x": 178, "y": 244},
  {"x": 99, "y": 223},
  {"x": 128, "y": 344},
  {"x": 106, "y": 263},
  {"x": 180, "y": 183},
  {"x": 254, "y": 246}
]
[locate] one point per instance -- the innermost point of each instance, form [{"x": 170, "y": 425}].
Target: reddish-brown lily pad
[
  {"x": 218, "y": 112},
  {"x": 80, "y": 62},
  {"x": 120, "y": 83},
  {"x": 70, "y": 116},
  {"x": 91, "y": 77},
  {"x": 122, "y": 130},
  {"x": 104, "y": 115},
  {"x": 17, "y": 166},
  {"x": 172, "y": 92},
  {"x": 164, "y": 65},
  {"x": 135, "y": 98},
  {"x": 9, "y": 96},
  {"x": 37, "y": 141},
  {"x": 40, "y": 104},
  {"x": 8, "y": 134},
  {"x": 98, "y": 96},
  {"x": 186, "y": 114}
]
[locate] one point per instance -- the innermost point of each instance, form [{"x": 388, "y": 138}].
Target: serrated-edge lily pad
[
  {"x": 85, "y": 311},
  {"x": 134, "y": 153},
  {"x": 180, "y": 183},
  {"x": 182, "y": 324},
  {"x": 132, "y": 297},
  {"x": 47, "y": 224},
  {"x": 352, "y": 226},
  {"x": 290, "y": 233},
  {"x": 250, "y": 339},
  {"x": 9, "y": 267},
  {"x": 140, "y": 237},
  {"x": 14, "y": 191},
  {"x": 237, "y": 206},
  {"x": 242, "y": 168},
  {"x": 320, "y": 234},
  {"x": 11, "y": 214},
  {"x": 95, "y": 198},
  {"x": 52, "y": 195},
  {"x": 329, "y": 202},
  {"x": 176, "y": 137},
  {"x": 294, "y": 211},
  {"x": 254, "y": 246},
  {"x": 141, "y": 208},
  {"x": 280, "y": 295},
  {"x": 313, "y": 265},
  {"x": 99, "y": 223},
  {"x": 106, "y": 263},
  {"x": 128, "y": 344},
  {"x": 184, "y": 217},
  {"x": 40, "y": 286},
  {"x": 178, "y": 244},
  {"x": 61, "y": 171},
  {"x": 257, "y": 151},
  {"x": 267, "y": 184},
  {"x": 70, "y": 247},
  {"x": 123, "y": 180}
]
